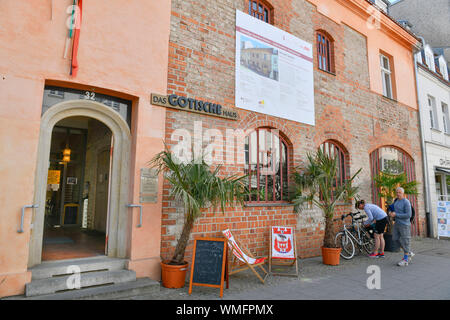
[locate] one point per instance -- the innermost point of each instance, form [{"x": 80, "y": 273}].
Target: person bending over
[{"x": 375, "y": 213}]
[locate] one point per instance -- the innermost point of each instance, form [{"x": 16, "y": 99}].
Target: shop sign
[
  {"x": 192, "y": 105},
  {"x": 444, "y": 162}
]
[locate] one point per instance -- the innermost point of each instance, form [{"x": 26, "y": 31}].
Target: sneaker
[
  {"x": 411, "y": 254},
  {"x": 402, "y": 263},
  {"x": 380, "y": 255},
  {"x": 373, "y": 255}
]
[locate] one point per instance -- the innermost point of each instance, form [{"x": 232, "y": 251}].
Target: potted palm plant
[
  {"x": 387, "y": 182},
  {"x": 198, "y": 187},
  {"x": 316, "y": 185}
]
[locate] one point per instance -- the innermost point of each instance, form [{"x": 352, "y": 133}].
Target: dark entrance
[{"x": 77, "y": 194}]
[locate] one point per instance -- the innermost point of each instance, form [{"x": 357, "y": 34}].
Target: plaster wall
[
  {"x": 374, "y": 25},
  {"x": 122, "y": 51}
]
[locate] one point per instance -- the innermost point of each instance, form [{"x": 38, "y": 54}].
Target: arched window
[
  {"x": 266, "y": 164},
  {"x": 333, "y": 149},
  {"x": 260, "y": 10},
  {"x": 393, "y": 160},
  {"x": 325, "y": 52}
]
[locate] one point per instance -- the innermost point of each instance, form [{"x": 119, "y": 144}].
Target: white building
[{"x": 434, "y": 101}]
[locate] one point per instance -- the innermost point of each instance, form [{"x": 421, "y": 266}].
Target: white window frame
[
  {"x": 440, "y": 191},
  {"x": 429, "y": 59},
  {"x": 445, "y": 117},
  {"x": 443, "y": 68},
  {"x": 445, "y": 72},
  {"x": 385, "y": 72},
  {"x": 444, "y": 195},
  {"x": 433, "y": 112}
]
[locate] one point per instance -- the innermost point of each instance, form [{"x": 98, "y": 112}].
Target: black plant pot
[{"x": 391, "y": 245}]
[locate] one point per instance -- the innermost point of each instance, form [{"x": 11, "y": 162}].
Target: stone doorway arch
[{"x": 119, "y": 189}]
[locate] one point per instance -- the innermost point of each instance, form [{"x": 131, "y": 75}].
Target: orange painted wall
[
  {"x": 345, "y": 12},
  {"x": 123, "y": 47}
]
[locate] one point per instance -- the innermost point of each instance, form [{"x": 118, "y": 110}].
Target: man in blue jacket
[{"x": 402, "y": 226}]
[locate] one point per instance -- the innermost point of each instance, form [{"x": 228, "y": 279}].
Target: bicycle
[{"x": 352, "y": 234}]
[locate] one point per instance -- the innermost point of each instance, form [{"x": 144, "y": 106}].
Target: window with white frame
[
  {"x": 445, "y": 118},
  {"x": 445, "y": 73},
  {"x": 386, "y": 76},
  {"x": 433, "y": 112},
  {"x": 429, "y": 59},
  {"x": 443, "y": 67}
]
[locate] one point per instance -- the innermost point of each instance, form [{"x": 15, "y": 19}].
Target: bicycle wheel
[
  {"x": 367, "y": 242},
  {"x": 346, "y": 244}
]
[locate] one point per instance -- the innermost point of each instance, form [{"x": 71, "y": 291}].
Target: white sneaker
[
  {"x": 403, "y": 263},
  {"x": 411, "y": 254}
]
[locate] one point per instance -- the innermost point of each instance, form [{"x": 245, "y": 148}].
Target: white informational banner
[
  {"x": 274, "y": 71},
  {"x": 443, "y": 218}
]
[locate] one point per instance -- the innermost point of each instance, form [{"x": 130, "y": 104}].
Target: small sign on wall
[
  {"x": 72, "y": 180},
  {"x": 149, "y": 186},
  {"x": 53, "y": 176}
]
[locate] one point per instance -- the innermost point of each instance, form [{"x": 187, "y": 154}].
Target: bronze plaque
[{"x": 149, "y": 186}]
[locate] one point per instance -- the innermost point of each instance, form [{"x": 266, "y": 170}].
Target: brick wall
[{"x": 202, "y": 66}]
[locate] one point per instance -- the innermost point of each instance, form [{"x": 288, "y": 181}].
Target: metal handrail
[
  {"x": 34, "y": 206},
  {"x": 140, "y": 212}
]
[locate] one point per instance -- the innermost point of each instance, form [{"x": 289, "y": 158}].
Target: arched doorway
[
  {"x": 77, "y": 190},
  {"x": 118, "y": 173},
  {"x": 394, "y": 160}
]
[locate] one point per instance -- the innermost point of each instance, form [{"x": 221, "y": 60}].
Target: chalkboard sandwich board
[{"x": 209, "y": 263}]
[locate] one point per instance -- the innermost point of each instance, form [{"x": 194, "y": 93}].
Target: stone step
[
  {"x": 87, "y": 279},
  {"x": 50, "y": 269},
  {"x": 141, "y": 286}
]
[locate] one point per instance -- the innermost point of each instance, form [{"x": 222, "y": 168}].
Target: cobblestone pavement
[{"x": 426, "y": 277}]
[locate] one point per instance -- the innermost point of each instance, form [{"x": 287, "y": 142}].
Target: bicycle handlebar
[{"x": 351, "y": 214}]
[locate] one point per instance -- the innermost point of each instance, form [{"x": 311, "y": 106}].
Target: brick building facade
[
  {"x": 365, "y": 110},
  {"x": 351, "y": 112}
]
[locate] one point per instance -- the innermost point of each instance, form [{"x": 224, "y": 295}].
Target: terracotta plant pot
[
  {"x": 173, "y": 276},
  {"x": 331, "y": 256}
]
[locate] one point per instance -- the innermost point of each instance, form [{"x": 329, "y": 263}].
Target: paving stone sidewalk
[{"x": 427, "y": 277}]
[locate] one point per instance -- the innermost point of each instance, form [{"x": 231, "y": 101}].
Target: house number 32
[{"x": 89, "y": 95}]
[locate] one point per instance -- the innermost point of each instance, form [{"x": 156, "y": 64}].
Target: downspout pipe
[{"x": 427, "y": 197}]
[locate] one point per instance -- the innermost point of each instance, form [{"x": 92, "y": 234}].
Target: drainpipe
[{"x": 427, "y": 198}]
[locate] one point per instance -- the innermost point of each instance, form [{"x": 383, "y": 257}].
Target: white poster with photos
[
  {"x": 443, "y": 218},
  {"x": 274, "y": 71}
]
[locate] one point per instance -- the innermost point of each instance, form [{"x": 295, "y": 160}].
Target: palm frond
[
  {"x": 198, "y": 186},
  {"x": 315, "y": 185}
]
